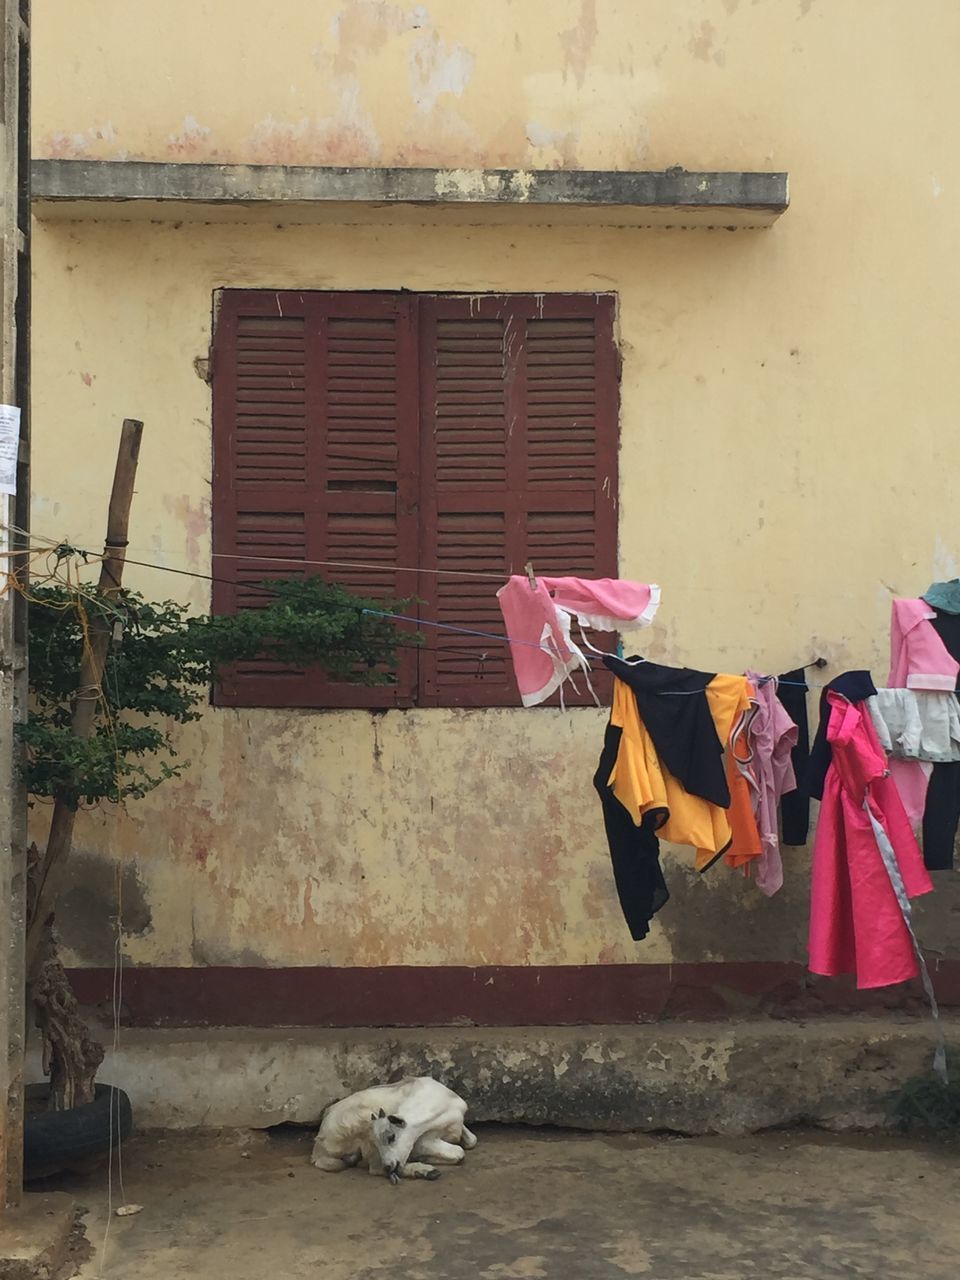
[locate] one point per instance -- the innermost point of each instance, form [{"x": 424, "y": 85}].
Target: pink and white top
[
  {"x": 538, "y": 624},
  {"x": 918, "y": 657}
]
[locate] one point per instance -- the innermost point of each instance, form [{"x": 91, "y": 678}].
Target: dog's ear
[
  {"x": 382, "y": 1114},
  {"x": 373, "y": 1115},
  {"x": 398, "y": 1121}
]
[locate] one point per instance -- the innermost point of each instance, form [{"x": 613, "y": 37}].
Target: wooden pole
[
  {"x": 93, "y": 662},
  {"x": 14, "y": 512}
]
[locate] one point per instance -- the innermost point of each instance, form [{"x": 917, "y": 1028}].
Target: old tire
[{"x": 57, "y": 1140}]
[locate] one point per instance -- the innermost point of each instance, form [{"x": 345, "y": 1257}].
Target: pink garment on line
[
  {"x": 538, "y": 624},
  {"x": 772, "y": 735},
  {"x": 856, "y": 925},
  {"x": 911, "y": 778},
  {"x": 918, "y": 657},
  {"x": 918, "y": 660}
]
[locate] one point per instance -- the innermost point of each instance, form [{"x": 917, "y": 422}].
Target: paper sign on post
[{"x": 9, "y": 447}]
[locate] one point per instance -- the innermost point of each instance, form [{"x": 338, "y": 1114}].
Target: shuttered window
[{"x": 379, "y": 432}]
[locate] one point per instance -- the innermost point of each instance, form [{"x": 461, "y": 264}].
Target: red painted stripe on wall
[{"x": 558, "y": 995}]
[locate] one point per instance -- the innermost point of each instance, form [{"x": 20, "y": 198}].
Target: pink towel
[{"x": 538, "y": 624}]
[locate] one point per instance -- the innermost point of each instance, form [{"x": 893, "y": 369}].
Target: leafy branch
[{"x": 163, "y": 668}]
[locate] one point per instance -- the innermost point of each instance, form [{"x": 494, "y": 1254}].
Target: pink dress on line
[
  {"x": 856, "y": 925},
  {"x": 918, "y": 660}
]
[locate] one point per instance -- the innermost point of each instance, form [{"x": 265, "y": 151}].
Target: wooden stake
[
  {"x": 46, "y": 887},
  {"x": 14, "y": 511}
]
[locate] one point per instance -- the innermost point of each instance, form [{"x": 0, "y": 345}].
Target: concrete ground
[{"x": 533, "y": 1203}]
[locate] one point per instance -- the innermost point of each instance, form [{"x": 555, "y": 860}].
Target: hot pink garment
[
  {"x": 772, "y": 735},
  {"x": 538, "y": 624},
  {"x": 856, "y": 925}
]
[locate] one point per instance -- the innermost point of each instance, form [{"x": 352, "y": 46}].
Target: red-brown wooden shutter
[
  {"x": 315, "y": 459},
  {"x": 519, "y": 444}
]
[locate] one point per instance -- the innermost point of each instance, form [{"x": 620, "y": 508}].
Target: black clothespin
[{"x": 528, "y": 570}]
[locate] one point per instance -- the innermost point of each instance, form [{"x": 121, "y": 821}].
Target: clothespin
[{"x": 528, "y": 570}]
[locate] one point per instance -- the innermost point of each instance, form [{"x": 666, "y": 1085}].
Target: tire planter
[{"x": 54, "y": 1141}]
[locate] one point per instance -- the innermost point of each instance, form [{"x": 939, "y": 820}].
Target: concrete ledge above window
[{"x": 98, "y": 189}]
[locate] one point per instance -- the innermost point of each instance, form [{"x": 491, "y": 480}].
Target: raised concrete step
[
  {"x": 689, "y": 1077},
  {"x": 35, "y": 1235}
]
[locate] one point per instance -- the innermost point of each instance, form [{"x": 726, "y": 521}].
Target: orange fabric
[
  {"x": 641, "y": 783},
  {"x": 728, "y": 698},
  {"x": 746, "y": 836}
]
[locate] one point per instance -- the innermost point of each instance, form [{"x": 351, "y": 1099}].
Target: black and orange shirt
[{"x": 686, "y": 718}]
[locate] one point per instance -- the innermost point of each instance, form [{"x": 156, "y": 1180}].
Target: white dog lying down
[{"x": 385, "y": 1126}]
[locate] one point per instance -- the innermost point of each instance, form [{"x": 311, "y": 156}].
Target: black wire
[{"x": 275, "y": 594}]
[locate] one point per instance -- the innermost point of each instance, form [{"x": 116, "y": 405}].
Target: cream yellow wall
[{"x": 789, "y": 444}]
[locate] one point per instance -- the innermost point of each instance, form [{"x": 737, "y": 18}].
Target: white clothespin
[{"x": 528, "y": 570}]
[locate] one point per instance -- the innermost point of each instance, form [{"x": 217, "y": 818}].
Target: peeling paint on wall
[
  {"x": 578, "y": 42},
  {"x": 437, "y": 68},
  {"x": 356, "y": 83},
  {"x": 193, "y": 523},
  {"x": 562, "y": 141},
  {"x": 81, "y": 145},
  {"x": 466, "y": 183},
  {"x": 364, "y": 27},
  {"x": 193, "y": 139},
  {"x": 522, "y": 184}
]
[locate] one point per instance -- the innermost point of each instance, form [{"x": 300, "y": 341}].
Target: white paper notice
[{"x": 9, "y": 447}]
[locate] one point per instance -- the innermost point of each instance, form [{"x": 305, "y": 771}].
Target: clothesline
[
  {"x": 492, "y": 635},
  {"x": 291, "y": 562},
  {"x": 417, "y": 623}
]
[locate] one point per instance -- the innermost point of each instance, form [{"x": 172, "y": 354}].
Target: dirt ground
[{"x": 529, "y": 1204}]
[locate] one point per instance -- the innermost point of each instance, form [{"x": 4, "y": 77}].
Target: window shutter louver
[
  {"x": 315, "y": 459},
  {"x": 519, "y": 461}
]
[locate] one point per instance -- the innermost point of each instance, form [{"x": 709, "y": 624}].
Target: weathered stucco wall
[
  {"x": 578, "y": 83},
  {"x": 789, "y": 449},
  {"x": 571, "y": 82}
]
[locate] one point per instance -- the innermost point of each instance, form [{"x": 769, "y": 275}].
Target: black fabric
[
  {"x": 634, "y": 851},
  {"x": 947, "y": 627},
  {"x": 795, "y": 805},
  {"x": 941, "y": 813},
  {"x": 674, "y": 709},
  {"x": 854, "y": 686},
  {"x": 941, "y": 816}
]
